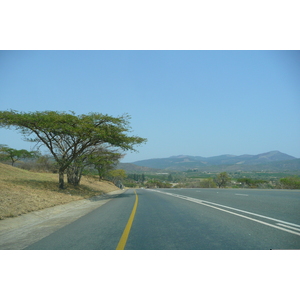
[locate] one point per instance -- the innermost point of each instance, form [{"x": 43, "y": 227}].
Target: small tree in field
[
  {"x": 117, "y": 176},
  {"x": 222, "y": 179},
  {"x": 68, "y": 136},
  {"x": 14, "y": 155},
  {"x": 104, "y": 161}
]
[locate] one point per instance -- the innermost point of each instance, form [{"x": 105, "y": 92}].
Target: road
[{"x": 200, "y": 219}]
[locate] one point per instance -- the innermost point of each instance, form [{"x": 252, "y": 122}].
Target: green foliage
[
  {"x": 170, "y": 178},
  {"x": 208, "y": 183},
  {"x": 290, "y": 182},
  {"x": 69, "y": 137},
  {"x": 137, "y": 177},
  {"x": 266, "y": 180},
  {"x": 251, "y": 183},
  {"x": 131, "y": 184},
  {"x": 154, "y": 183},
  {"x": 14, "y": 155},
  {"x": 222, "y": 179},
  {"x": 102, "y": 159},
  {"x": 118, "y": 174}
]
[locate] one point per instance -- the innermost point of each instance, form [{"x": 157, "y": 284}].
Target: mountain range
[{"x": 270, "y": 160}]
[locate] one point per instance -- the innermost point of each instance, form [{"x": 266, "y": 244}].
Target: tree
[
  {"x": 222, "y": 179},
  {"x": 105, "y": 160},
  {"x": 137, "y": 177},
  {"x": 117, "y": 176},
  {"x": 14, "y": 154},
  {"x": 170, "y": 178},
  {"x": 68, "y": 136},
  {"x": 101, "y": 158}
]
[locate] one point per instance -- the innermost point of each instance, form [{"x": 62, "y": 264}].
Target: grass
[{"x": 24, "y": 191}]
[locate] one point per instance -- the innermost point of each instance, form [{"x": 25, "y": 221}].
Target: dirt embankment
[{"x": 24, "y": 191}]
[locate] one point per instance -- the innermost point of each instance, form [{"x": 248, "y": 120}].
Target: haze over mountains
[{"x": 273, "y": 160}]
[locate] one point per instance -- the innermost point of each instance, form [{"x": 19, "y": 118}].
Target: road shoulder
[{"x": 19, "y": 232}]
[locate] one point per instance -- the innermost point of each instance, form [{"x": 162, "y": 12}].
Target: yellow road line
[{"x": 126, "y": 231}]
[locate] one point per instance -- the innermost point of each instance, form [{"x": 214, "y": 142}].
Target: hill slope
[
  {"x": 23, "y": 191},
  {"x": 132, "y": 168}
]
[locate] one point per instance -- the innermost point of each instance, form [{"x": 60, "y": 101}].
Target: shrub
[{"x": 290, "y": 182}]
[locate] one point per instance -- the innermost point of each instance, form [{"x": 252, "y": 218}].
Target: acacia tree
[
  {"x": 117, "y": 176},
  {"x": 104, "y": 161},
  {"x": 68, "y": 136},
  {"x": 14, "y": 155}
]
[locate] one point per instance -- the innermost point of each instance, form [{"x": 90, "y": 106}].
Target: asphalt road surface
[{"x": 192, "y": 219}]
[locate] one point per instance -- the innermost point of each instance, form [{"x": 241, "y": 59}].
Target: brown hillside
[{"x": 23, "y": 191}]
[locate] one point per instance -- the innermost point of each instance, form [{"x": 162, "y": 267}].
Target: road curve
[{"x": 191, "y": 219}]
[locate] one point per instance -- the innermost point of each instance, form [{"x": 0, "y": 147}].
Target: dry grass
[{"x": 23, "y": 191}]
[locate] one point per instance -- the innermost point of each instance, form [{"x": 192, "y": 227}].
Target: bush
[
  {"x": 290, "y": 182},
  {"x": 208, "y": 183},
  {"x": 252, "y": 183}
]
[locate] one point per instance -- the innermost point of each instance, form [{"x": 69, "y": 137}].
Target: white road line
[
  {"x": 250, "y": 213},
  {"x": 212, "y": 205},
  {"x": 298, "y": 229},
  {"x": 255, "y": 220},
  {"x": 242, "y": 195}
]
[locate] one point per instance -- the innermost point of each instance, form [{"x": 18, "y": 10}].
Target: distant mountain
[
  {"x": 250, "y": 159},
  {"x": 185, "y": 162},
  {"x": 173, "y": 162},
  {"x": 292, "y": 165}
]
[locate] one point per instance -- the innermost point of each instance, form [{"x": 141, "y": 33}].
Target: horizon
[{"x": 186, "y": 155}]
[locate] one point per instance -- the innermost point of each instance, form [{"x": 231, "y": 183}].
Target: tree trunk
[
  {"x": 99, "y": 174},
  {"x": 74, "y": 174},
  {"x": 61, "y": 179}
]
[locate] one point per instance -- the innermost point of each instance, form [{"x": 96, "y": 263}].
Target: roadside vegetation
[
  {"x": 31, "y": 184},
  {"x": 292, "y": 182},
  {"x": 192, "y": 179},
  {"x": 84, "y": 148},
  {"x": 23, "y": 191}
]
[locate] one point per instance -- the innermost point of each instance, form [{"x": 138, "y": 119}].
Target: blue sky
[{"x": 202, "y": 103}]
